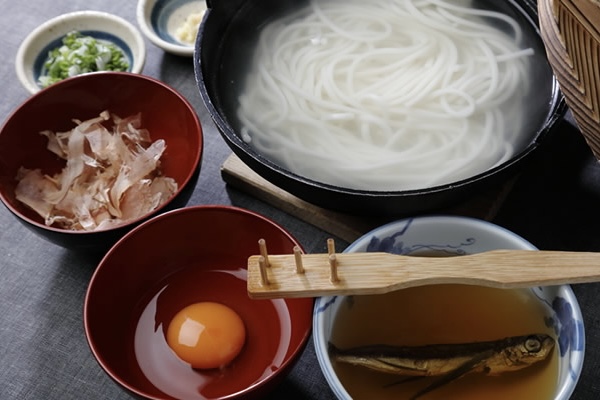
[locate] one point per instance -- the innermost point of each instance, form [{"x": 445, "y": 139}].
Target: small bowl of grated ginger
[
  {"x": 171, "y": 25},
  {"x": 90, "y": 157}
]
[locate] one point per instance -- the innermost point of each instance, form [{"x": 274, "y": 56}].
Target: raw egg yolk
[{"x": 206, "y": 335}]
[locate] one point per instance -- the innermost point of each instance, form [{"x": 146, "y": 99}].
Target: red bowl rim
[
  {"x": 226, "y": 208},
  {"x": 130, "y": 75}
]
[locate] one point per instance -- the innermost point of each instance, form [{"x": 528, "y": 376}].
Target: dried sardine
[{"x": 449, "y": 361}]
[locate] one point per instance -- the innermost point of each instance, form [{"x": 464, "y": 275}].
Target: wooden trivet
[{"x": 346, "y": 227}]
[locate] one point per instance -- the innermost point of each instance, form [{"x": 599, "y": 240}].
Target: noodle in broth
[{"x": 386, "y": 95}]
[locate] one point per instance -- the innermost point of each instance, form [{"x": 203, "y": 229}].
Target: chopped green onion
[{"x": 80, "y": 54}]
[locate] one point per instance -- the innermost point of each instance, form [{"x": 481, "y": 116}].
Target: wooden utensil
[
  {"x": 570, "y": 30},
  {"x": 313, "y": 275}
]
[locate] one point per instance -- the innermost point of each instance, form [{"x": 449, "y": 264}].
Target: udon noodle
[{"x": 386, "y": 95}]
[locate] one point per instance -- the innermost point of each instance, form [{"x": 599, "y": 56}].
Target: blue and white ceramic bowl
[
  {"x": 171, "y": 25},
  {"x": 33, "y": 51},
  {"x": 460, "y": 235}
]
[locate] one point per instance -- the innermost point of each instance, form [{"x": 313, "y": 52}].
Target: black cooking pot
[{"x": 223, "y": 52}]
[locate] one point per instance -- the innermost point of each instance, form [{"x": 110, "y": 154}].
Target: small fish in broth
[{"x": 449, "y": 361}]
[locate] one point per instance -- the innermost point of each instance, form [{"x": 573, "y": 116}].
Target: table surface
[{"x": 43, "y": 350}]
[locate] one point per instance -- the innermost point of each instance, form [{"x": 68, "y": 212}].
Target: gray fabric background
[{"x": 43, "y": 352}]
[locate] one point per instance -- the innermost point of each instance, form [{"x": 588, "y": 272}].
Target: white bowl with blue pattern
[
  {"x": 160, "y": 21},
  {"x": 460, "y": 235},
  {"x": 33, "y": 51}
]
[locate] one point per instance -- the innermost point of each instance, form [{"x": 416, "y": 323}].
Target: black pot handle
[{"x": 224, "y": 5}]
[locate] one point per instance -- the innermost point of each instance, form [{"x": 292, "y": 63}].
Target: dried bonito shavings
[{"x": 112, "y": 175}]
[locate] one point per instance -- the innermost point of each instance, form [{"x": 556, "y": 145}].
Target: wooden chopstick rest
[{"x": 313, "y": 275}]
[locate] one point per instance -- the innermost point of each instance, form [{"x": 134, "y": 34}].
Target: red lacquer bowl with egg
[{"x": 167, "y": 314}]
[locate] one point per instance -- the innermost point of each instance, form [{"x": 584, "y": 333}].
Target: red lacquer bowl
[
  {"x": 182, "y": 257},
  {"x": 164, "y": 112}
]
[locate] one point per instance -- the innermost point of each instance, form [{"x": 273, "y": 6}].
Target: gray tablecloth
[{"x": 43, "y": 351}]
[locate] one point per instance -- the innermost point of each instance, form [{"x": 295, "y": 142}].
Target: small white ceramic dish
[
  {"x": 459, "y": 235},
  {"x": 33, "y": 51},
  {"x": 161, "y": 21}
]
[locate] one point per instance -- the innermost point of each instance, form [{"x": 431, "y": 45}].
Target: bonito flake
[{"x": 112, "y": 175}]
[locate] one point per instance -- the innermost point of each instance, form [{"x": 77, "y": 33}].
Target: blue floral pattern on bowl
[
  {"x": 390, "y": 245},
  {"x": 457, "y": 236},
  {"x": 567, "y": 325}
]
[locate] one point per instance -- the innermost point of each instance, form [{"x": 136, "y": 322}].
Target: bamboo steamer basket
[{"x": 570, "y": 30}]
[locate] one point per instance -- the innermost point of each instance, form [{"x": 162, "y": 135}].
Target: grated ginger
[{"x": 187, "y": 32}]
